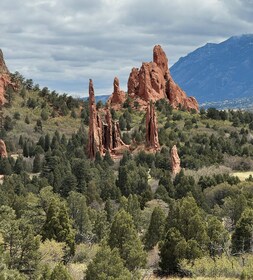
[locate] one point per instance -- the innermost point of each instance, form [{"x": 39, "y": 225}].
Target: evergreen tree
[
  {"x": 26, "y": 149},
  {"x": 60, "y": 272},
  {"x": 107, "y": 264},
  {"x": 58, "y": 225},
  {"x": 107, "y": 158},
  {"x": 155, "y": 229},
  {"x": 20, "y": 243},
  {"x": 47, "y": 142},
  {"x": 79, "y": 213},
  {"x": 172, "y": 250},
  {"x": 124, "y": 236},
  {"x": 242, "y": 238},
  {"x": 101, "y": 226},
  {"x": 37, "y": 164}
]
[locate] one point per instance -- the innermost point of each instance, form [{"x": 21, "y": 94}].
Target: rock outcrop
[
  {"x": 175, "y": 161},
  {"x": 118, "y": 96},
  {"x": 3, "y": 151},
  {"x": 152, "y": 141},
  {"x": 95, "y": 126},
  {"x": 5, "y": 79},
  {"x": 153, "y": 82},
  {"x": 103, "y": 135}
]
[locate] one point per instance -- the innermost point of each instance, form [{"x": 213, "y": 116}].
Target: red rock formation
[
  {"x": 175, "y": 160},
  {"x": 102, "y": 135},
  {"x": 95, "y": 126},
  {"x": 5, "y": 79},
  {"x": 153, "y": 82},
  {"x": 3, "y": 151},
  {"x": 118, "y": 96},
  {"x": 133, "y": 82},
  {"x": 152, "y": 141}
]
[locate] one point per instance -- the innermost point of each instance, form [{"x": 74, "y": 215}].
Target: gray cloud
[{"x": 61, "y": 44}]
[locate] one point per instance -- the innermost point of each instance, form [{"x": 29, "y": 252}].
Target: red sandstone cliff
[
  {"x": 5, "y": 79},
  {"x": 153, "y": 82}
]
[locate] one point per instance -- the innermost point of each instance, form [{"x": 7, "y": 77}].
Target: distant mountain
[
  {"x": 217, "y": 72},
  {"x": 102, "y": 98}
]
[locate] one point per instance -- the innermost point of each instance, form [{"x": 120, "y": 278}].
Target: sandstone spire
[
  {"x": 152, "y": 141},
  {"x": 175, "y": 160},
  {"x": 95, "y": 126},
  {"x": 5, "y": 79},
  {"x": 118, "y": 96},
  {"x": 104, "y": 135},
  {"x": 3, "y": 151}
]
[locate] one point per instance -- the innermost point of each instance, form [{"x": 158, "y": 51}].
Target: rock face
[
  {"x": 153, "y": 82},
  {"x": 118, "y": 96},
  {"x": 175, "y": 160},
  {"x": 3, "y": 151},
  {"x": 5, "y": 79},
  {"x": 152, "y": 141},
  {"x": 103, "y": 135}
]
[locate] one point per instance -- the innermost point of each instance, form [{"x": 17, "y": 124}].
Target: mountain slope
[{"x": 217, "y": 72}]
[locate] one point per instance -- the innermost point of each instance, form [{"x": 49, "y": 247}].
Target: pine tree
[
  {"x": 79, "y": 213},
  {"x": 107, "y": 264},
  {"x": 107, "y": 158},
  {"x": 155, "y": 229},
  {"x": 37, "y": 164},
  {"x": 60, "y": 272},
  {"x": 58, "y": 225},
  {"x": 124, "y": 236},
  {"x": 242, "y": 238},
  {"x": 172, "y": 250}
]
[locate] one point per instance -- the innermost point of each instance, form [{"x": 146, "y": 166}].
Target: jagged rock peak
[
  {"x": 175, "y": 160},
  {"x": 3, "y": 151},
  {"x": 153, "y": 82},
  {"x": 152, "y": 141},
  {"x": 160, "y": 58}
]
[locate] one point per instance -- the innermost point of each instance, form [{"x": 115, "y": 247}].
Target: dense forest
[{"x": 64, "y": 216}]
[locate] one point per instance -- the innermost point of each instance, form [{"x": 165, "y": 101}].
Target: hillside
[
  {"x": 127, "y": 192},
  {"x": 98, "y": 197},
  {"x": 217, "y": 72}
]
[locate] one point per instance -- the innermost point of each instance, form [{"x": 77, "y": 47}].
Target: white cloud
[{"x": 61, "y": 44}]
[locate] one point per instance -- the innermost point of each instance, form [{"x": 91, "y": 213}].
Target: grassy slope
[{"x": 64, "y": 124}]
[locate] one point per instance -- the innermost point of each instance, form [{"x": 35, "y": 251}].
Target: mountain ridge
[{"x": 216, "y": 72}]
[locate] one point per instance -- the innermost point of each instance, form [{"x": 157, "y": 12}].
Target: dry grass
[{"x": 243, "y": 175}]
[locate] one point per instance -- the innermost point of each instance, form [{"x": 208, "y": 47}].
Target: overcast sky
[{"x": 63, "y": 43}]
